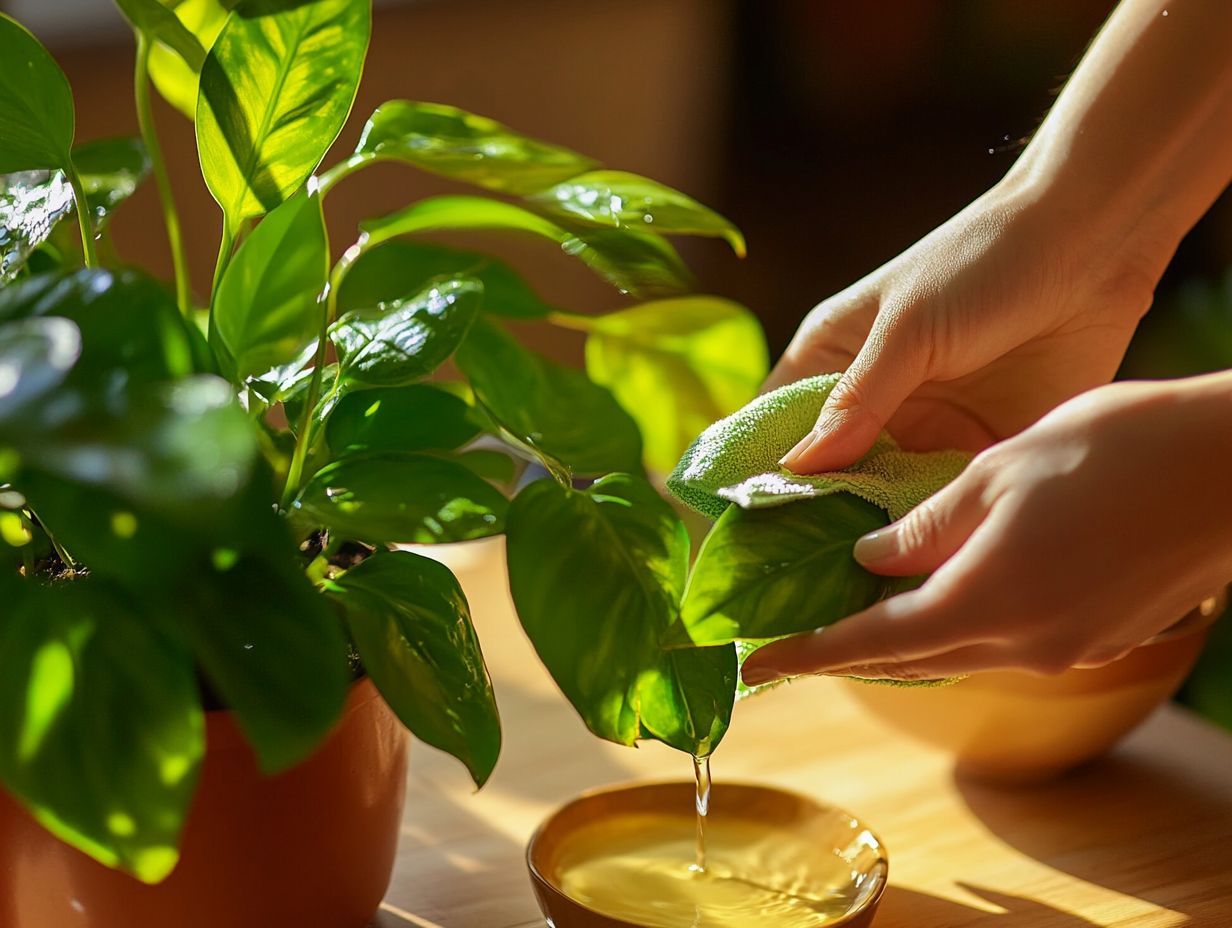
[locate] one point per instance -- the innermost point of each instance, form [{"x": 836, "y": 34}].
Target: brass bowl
[
  {"x": 822, "y": 825},
  {"x": 1020, "y": 728}
]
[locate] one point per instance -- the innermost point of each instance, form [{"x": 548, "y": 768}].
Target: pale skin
[{"x": 1093, "y": 515}]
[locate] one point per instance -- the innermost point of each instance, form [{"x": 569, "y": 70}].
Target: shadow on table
[
  {"x": 921, "y": 910},
  {"x": 1125, "y": 809}
]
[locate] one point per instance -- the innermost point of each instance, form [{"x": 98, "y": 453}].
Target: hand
[
  {"x": 1067, "y": 545},
  {"x": 973, "y": 333}
]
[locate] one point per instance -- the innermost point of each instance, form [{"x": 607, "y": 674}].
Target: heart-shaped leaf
[
  {"x": 392, "y": 498},
  {"x": 553, "y": 409},
  {"x": 686, "y": 701},
  {"x": 36, "y": 104},
  {"x": 396, "y": 343},
  {"x": 104, "y": 735},
  {"x": 762, "y": 573},
  {"x": 276, "y": 89},
  {"x": 633, "y": 261},
  {"x": 617, "y": 199},
  {"x": 413, "y": 418},
  {"x": 462, "y": 146},
  {"x": 397, "y": 267},
  {"x": 266, "y": 308},
  {"x": 169, "y": 72},
  {"x": 32, "y": 203},
  {"x": 676, "y": 366},
  {"x": 412, "y": 628}
]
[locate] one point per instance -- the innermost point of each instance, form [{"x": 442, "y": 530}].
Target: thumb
[
  {"x": 888, "y": 369},
  {"x": 927, "y": 536}
]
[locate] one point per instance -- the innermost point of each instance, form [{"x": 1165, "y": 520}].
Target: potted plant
[{"x": 197, "y": 501}]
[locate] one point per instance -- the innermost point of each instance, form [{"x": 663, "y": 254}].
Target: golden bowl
[
  {"x": 594, "y": 824},
  {"x": 1017, "y": 728}
]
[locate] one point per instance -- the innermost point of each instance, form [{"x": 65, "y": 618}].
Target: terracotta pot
[
  {"x": 312, "y": 847},
  {"x": 1006, "y": 727}
]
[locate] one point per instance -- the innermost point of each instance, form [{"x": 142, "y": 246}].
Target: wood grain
[{"x": 1141, "y": 839}]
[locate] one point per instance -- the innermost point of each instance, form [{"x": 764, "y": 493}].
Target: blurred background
[{"x": 833, "y": 134}]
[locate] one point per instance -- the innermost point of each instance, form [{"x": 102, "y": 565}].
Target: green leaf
[
  {"x": 169, "y": 72},
  {"x": 111, "y": 170},
  {"x": 266, "y": 309},
  {"x": 35, "y": 357},
  {"x": 275, "y": 92},
  {"x": 412, "y": 628},
  {"x": 633, "y": 261},
  {"x": 272, "y": 648},
  {"x": 36, "y": 104},
  {"x": 104, "y": 734},
  {"x": 616, "y": 199},
  {"x": 762, "y": 573},
  {"x": 414, "y": 418},
  {"x": 596, "y": 577},
  {"x": 551, "y": 408},
  {"x": 676, "y": 366},
  {"x": 396, "y": 343},
  {"x": 161, "y": 24},
  {"x": 394, "y": 498},
  {"x": 463, "y": 146},
  {"x": 396, "y": 268},
  {"x": 686, "y": 702},
  {"x": 32, "y": 203}
]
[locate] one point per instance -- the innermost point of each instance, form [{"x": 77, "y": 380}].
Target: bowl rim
[
  {"x": 1199, "y": 618},
  {"x": 847, "y": 919}
]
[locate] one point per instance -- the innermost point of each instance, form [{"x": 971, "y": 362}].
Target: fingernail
[
  {"x": 800, "y": 449},
  {"x": 756, "y": 676},
  {"x": 875, "y": 547}
]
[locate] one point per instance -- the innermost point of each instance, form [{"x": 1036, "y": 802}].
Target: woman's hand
[
  {"x": 1067, "y": 545},
  {"x": 1007, "y": 310}
]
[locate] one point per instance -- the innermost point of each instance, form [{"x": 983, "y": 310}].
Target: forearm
[{"x": 1139, "y": 144}]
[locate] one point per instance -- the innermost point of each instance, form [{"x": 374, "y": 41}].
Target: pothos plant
[{"x": 198, "y": 502}]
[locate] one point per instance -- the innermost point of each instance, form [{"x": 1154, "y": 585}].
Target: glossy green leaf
[
  {"x": 104, "y": 734},
  {"x": 391, "y": 498},
  {"x": 267, "y": 309},
  {"x": 686, "y": 701},
  {"x": 32, "y": 203},
  {"x": 411, "y": 625},
  {"x": 617, "y": 199},
  {"x": 633, "y": 261},
  {"x": 275, "y": 91},
  {"x": 462, "y": 146},
  {"x": 768, "y": 572},
  {"x": 676, "y": 366},
  {"x": 553, "y": 409},
  {"x": 413, "y": 418},
  {"x": 161, "y": 24},
  {"x": 396, "y": 343},
  {"x": 272, "y": 648},
  {"x": 397, "y": 267},
  {"x": 169, "y": 72},
  {"x": 111, "y": 170},
  {"x": 596, "y": 577},
  {"x": 36, "y": 104}
]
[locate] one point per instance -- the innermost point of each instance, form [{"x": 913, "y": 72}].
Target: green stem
[
  {"x": 83, "y": 216},
  {"x": 220, "y": 266},
  {"x": 305, "y": 435},
  {"x": 149, "y": 135},
  {"x": 342, "y": 170}
]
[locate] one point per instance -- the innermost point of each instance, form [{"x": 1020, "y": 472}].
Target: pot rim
[{"x": 849, "y": 918}]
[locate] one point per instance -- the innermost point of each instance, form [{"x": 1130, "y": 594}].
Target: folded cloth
[{"x": 736, "y": 460}]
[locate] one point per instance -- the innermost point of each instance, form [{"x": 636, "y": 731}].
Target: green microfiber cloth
[{"x": 736, "y": 460}]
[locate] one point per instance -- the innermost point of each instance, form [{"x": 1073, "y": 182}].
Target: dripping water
[{"x": 701, "y": 773}]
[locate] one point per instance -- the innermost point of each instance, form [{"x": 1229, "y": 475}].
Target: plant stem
[
  {"x": 149, "y": 135},
  {"x": 304, "y": 436},
  {"x": 224, "y": 256},
  {"x": 83, "y": 216}
]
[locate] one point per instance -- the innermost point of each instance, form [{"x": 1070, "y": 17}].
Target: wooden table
[{"x": 1142, "y": 839}]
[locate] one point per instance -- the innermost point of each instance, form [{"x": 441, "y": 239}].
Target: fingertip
[{"x": 836, "y": 442}]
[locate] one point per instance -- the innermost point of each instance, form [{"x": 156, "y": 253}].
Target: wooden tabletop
[{"x": 1142, "y": 839}]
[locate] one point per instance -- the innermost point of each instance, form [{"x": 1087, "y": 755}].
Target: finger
[
  {"x": 903, "y": 628},
  {"x": 828, "y": 338},
  {"x": 961, "y": 662},
  {"x": 889, "y": 367},
  {"x": 930, "y": 534}
]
